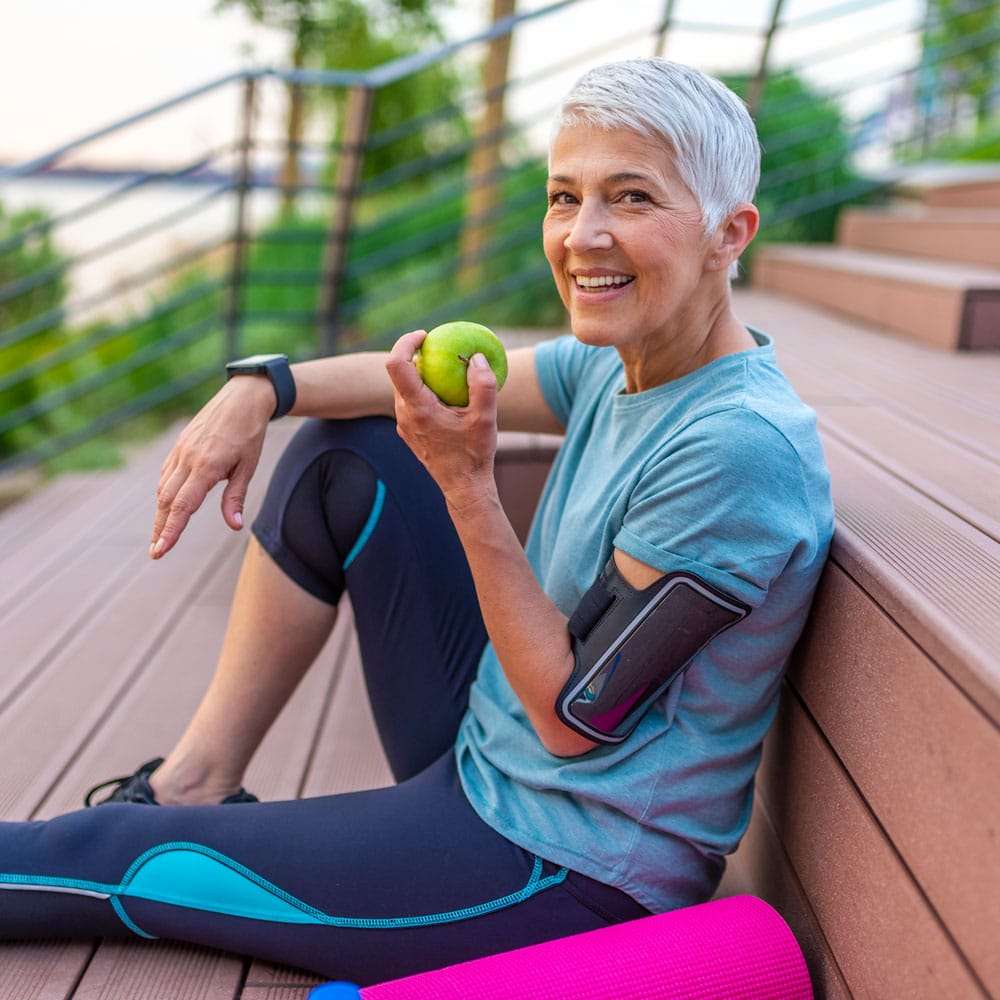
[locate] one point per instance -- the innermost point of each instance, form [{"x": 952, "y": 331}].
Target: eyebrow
[{"x": 619, "y": 178}]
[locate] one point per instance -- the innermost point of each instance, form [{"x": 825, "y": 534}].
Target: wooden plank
[
  {"x": 828, "y": 358},
  {"x": 91, "y": 666},
  {"x": 266, "y": 981},
  {"x": 147, "y": 720},
  {"x": 42, "y": 970},
  {"x": 72, "y": 695},
  {"x": 960, "y": 481},
  {"x": 125, "y": 503},
  {"x": 921, "y": 299},
  {"x": 761, "y": 868},
  {"x": 886, "y": 939},
  {"x": 32, "y": 513},
  {"x": 823, "y": 335},
  {"x": 36, "y": 628},
  {"x": 148, "y": 717},
  {"x": 969, "y": 235},
  {"x": 941, "y": 458},
  {"x": 140, "y": 970},
  {"x": 922, "y": 754},
  {"x": 931, "y": 572}
]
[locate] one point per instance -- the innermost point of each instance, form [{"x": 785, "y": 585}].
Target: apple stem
[{"x": 465, "y": 360}]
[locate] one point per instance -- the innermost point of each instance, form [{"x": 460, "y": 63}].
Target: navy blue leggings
[{"x": 364, "y": 886}]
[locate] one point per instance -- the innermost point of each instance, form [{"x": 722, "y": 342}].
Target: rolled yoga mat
[{"x": 736, "y": 948}]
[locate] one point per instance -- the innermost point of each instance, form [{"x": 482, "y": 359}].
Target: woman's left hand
[{"x": 455, "y": 444}]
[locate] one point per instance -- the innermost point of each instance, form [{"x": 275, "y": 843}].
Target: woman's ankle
[{"x": 183, "y": 783}]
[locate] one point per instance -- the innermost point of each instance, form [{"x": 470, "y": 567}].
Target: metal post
[
  {"x": 352, "y": 154},
  {"x": 661, "y": 35},
  {"x": 756, "y": 91},
  {"x": 234, "y": 296}
]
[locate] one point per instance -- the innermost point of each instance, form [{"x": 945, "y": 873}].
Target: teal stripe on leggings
[
  {"x": 366, "y": 531},
  {"x": 197, "y": 877}
]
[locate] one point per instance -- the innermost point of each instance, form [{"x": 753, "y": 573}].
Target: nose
[{"x": 589, "y": 230}]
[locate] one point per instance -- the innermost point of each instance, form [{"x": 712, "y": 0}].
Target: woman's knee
[{"x": 320, "y": 499}]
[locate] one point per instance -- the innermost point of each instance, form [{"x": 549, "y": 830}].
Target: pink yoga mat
[{"x": 737, "y": 947}]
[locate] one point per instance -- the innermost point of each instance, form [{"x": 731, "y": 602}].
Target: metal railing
[{"x": 124, "y": 296}]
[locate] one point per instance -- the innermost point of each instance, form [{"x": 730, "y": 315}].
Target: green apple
[{"x": 443, "y": 359}]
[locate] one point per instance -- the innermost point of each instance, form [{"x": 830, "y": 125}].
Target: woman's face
[{"x": 625, "y": 240}]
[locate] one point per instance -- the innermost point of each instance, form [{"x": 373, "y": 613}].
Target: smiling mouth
[{"x": 602, "y": 281}]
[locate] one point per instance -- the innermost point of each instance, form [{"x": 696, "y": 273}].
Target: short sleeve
[
  {"x": 726, "y": 500},
  {"x": 560, "y": 365}
]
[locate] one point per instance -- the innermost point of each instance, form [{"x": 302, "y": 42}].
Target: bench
[{"x": 877, "y": 814}]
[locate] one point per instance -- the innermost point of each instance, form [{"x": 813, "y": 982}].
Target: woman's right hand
[{"x": 222, "y": 442}]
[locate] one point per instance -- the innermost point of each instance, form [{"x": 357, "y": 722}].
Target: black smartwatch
[{"x": 275, "y": 367}]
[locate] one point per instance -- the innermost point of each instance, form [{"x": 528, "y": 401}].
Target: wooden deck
[{"x": 103, "y": 655}]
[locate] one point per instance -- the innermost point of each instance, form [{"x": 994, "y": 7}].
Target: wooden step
[
  {"x": 965, "y": 235},
  {"x": 944, "y": 304},
  {"x": 876, "y": 795},
  {"x": 953, "y": 185}
]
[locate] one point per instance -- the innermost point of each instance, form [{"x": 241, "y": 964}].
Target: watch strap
[{"x": 278, "y": 373}]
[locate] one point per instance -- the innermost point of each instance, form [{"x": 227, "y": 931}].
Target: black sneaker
[{"x": 136, "y": 789}]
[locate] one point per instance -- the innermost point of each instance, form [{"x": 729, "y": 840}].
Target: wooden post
[
  {"x": 485, "y": 163},
  {"x": 289, "y": 178},
  {"x": 352, "y": 154},
  {"x": 234, "y": 294},
  {"x": 661, "y": 34},
  {"x": 756, "y": 91}
]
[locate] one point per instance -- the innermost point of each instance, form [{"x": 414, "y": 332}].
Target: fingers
[
  {"x": 400, "y": 367},
  {"x": 178, "y": 497},
  {"x": 482, "y": 385}
]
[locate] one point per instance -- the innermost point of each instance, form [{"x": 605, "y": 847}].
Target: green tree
[
  {"x": 415, "y": 117},
  {"x": 962, "y": 49},
  {"x": 337, "y": 34}
]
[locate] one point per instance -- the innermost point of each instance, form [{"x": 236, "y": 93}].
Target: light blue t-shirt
[{"x": 719, "y": 473}]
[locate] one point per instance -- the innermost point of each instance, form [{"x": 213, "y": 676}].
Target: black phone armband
[{"x": 629, "y": 645}]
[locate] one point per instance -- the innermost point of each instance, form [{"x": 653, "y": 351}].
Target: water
[{"x": 131, "y": 240}]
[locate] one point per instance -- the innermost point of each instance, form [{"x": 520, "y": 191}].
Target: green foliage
[
  {"x": 57, "y": 379},
  {"x": 32, "y": 285},
  {"x": 415, "y": 117},
  {"x": 402, "y": 264},
  {"x": 962, "y": 49},
  {"x": 281, "y": 287},
  {"x": 806, "y": 173},
  {"x": 984, "y": 145},
  {"x": 405, "y": 270}
]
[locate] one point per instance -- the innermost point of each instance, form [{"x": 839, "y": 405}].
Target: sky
[{"x": 67, "y": 68}]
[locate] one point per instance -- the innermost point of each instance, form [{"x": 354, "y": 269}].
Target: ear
[{"x": 733, "y": 236}]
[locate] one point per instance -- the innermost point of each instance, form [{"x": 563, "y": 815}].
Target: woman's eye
[
  {"x": 635, "y": 197},
  {"x": 560, "y": 198}
]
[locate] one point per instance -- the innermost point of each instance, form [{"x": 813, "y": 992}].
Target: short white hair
[{"x": 706, "y": 129}]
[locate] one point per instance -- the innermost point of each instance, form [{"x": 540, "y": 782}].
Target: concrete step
[
  {"x": 964, "y": 235},
  {"x": 944, "y": 304}
]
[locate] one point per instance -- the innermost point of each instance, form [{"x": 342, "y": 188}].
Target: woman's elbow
[{"x": 561, "y": 741}]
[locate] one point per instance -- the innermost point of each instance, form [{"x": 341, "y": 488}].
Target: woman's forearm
[
  {"x": 528, "y": 631},
  {"x": 343, "y": 386}
]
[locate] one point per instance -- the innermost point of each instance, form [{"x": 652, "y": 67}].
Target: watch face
[{"x": 257, "y": 359}]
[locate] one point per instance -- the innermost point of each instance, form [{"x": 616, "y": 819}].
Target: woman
[{"x": 684, "y": 525}]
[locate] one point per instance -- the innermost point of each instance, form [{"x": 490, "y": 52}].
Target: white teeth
[{"x": 602, "y": 280}]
